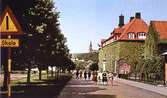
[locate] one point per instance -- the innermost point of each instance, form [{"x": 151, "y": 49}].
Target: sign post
[
  {"x": 165, "y": 72},
  {"x": 9, "y": 69},
  {"x": 9, "y": 26}
]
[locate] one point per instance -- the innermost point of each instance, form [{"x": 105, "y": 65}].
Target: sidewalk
[
  {"x": 88, "y": 89},
  {"x": 153, "y": 88}
]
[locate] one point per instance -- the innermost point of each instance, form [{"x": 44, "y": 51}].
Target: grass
[
  {"x": 45, "y": 88},
  {"x": 34, "y": 78}
]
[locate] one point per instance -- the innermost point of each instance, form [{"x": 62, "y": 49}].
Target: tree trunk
[
  {"x": 52, "y": 72},
  {"x": 58, "y": 72},
  {"x": 40, "y": 74},
  {"x": 47, "y": 73},
  {"x": 29, "y": 74},
  {"x": 5, "y": 82},
  {"x": 55, "y": 73}
]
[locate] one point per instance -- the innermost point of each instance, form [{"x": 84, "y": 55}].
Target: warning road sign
[
  {"x": 8, "y": 23},
  {"x": 9, "y": 43}
]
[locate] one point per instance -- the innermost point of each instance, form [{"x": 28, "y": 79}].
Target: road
[{"x": 88, "y": 89}]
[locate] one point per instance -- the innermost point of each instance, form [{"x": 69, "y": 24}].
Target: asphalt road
[{"x": 88, "y": 89}]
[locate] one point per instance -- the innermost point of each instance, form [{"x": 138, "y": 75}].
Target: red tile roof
[
  {"x": 118, "y": 30},
  {"x": 136, "y": 25},
  {"x": 161, "y": 27}
]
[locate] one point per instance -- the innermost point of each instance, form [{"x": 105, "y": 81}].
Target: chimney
[
  {"x": 121, "y": 21},
  {"x": 138, "y": 15},
  {"x": 131, "y": 18}
]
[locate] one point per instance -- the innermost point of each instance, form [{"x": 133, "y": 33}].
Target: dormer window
[
  {"x": 131, "y": 35},
  {"x": 141, "y": 35}
]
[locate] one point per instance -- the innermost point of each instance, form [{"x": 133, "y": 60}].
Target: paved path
[
  {"x": 88, "y": 89},
  {"x": 157, "y": 89}
]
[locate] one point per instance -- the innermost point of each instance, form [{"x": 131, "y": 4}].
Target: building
[
  {"x": 124, "y": 47},
  {"x": 118, "y": 50},
  {"x": 161, "y": 28}
]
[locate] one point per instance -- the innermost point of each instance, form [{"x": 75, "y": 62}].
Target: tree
[
  {"x": 43, "y": 40},
  {"x": 153, "y": 59},
  {"x": 48, "y": 41},
  {"x": 94, "y": 67},
  {"x": 151, "y": 43},
  {"x": 18, "y": 7}
]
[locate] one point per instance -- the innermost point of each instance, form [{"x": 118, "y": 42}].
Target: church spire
[{"x": 90, "y": 47}]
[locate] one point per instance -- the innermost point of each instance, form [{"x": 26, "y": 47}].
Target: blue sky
[{"x": 83, "y": 21}]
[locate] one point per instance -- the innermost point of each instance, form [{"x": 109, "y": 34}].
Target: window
[
  {"x": 131, "y": 35},
  {"x": 141, "y": 35}
]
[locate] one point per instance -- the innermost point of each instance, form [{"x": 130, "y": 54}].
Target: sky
[{"x": 82, "y": 21}]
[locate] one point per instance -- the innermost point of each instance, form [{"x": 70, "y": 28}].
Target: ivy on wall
[{"x": 129, "y": 51}]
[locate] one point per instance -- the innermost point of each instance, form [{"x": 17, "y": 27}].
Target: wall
[{"x": 129, "y": 51}]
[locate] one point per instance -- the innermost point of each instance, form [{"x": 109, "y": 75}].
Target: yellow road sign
[
  {"x": 9, "y": 24},
  {"x": 9, "y": 43}
]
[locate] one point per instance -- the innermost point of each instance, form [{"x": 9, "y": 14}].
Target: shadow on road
[
  {"x": 90, "y": 96},
  {"x": 84, "y": 92},
  {"x": 83, "y": 89},
  {"x": 45, "y": 89}
]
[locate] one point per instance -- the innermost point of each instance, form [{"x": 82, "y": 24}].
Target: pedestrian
[
  {"x": 99, "y": 77},
  {"x": 85, "y": 75},
  {"x": 77, "y": 74},
  {"x": 111, "y": 78},
  {"x": 104, "y": 78},
  {"x": 73, "y": 74},
  {"x": 95, "y": 77},
  {"x": 89, "y": 74},
  {"x": 80, "y": 74}
]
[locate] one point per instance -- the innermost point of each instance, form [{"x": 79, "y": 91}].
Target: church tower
[{"x": 90, "y": 47}]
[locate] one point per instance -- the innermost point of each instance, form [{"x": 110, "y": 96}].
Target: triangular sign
[{"x": 8, "y": 23}]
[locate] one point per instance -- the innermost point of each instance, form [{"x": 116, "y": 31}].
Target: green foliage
[
  {"x": 85, "y": 59},
  {"x": 151, "y": 43},
  {"x": 80, "y": 65},
  {"x": 94, "y": 67},
  {"x": 88, "y": 56},
  {"x": 129, "y": 51},
  {"x": 154, "y": 62},
  {"x": 132, "y": 53},
  {"x": 43, "y": 43},
  {"x": 109, "y": 53}
]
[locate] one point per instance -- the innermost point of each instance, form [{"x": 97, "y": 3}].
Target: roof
[
  {"x": 136, "y": 25},
  {"x": 118, "y": 30},
  {"x": 115, "y": 31},
  {"x": 161, "y": 27}
]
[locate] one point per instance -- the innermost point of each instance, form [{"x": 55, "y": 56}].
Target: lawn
[{"x": 45, "y": 88}]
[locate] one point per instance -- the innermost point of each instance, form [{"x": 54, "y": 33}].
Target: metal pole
[
  {"x": 9, "y": 70},
  {"x": 165, "y": 74}
]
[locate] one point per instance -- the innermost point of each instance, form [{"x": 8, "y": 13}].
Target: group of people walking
[
  {"x": 97, "y": 77},
  {"x": 79, "y": 74}
]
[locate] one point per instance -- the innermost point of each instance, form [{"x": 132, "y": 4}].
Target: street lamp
[{"x": 104, "y": 64}]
